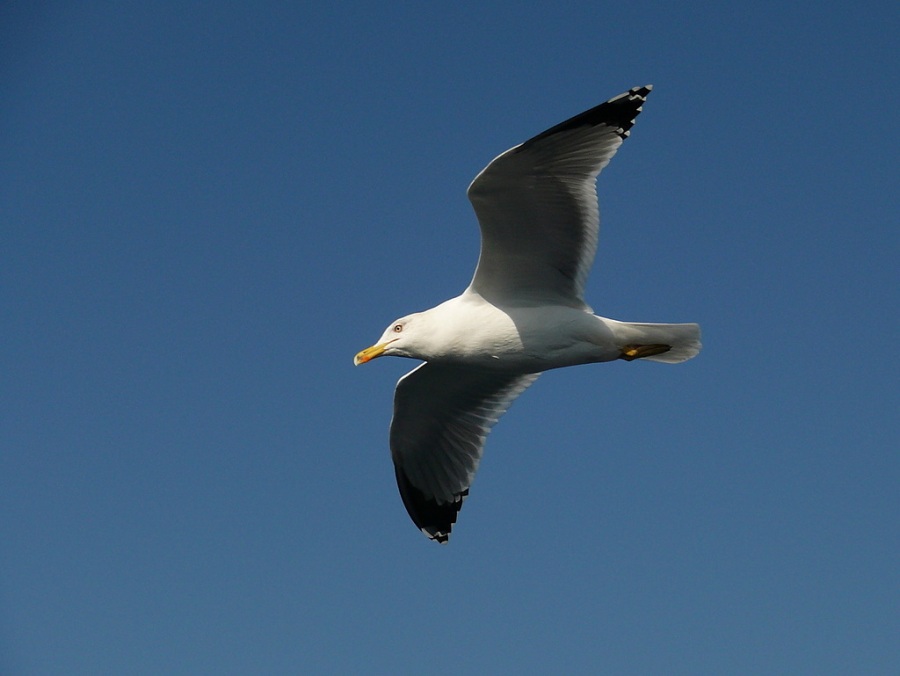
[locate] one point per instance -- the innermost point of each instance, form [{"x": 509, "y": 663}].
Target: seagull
[{"x": 522, "y": 314}]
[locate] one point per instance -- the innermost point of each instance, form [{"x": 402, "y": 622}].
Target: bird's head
[{"x": 398, "y": 340}]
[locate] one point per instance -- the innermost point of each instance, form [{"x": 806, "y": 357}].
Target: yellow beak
[{"x": 370, "y": 353}]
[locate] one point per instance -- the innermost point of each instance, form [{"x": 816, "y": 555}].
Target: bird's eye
[{"x": 398, "y": 328}]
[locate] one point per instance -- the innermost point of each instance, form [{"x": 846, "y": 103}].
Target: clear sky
[{"x": 206, "y": 209}]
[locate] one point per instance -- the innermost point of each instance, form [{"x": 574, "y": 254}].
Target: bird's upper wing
[
  {"x": 442, "y": 416},
  {"x": 537, "y": 206}
]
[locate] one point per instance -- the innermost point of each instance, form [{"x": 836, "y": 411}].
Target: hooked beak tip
[{"x": 369, "y": 354}]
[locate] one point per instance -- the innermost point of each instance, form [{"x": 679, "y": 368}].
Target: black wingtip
[
  {"x": 431, "y": 517},
  {"x": 619, "y": 112},
  {"x": 629, "y": 105}
]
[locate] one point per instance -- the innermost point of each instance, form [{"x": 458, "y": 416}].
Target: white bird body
[
  {"x": 522, "y": 314},
  {"x": 525, "y": 338}
]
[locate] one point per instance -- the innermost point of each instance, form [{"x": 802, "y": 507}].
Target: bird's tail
[{"x": 683, "y": 340}]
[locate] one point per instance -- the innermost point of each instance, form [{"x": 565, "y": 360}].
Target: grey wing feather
[
  {"x": 442, "y": 416},
  {"x": 537, "y": 206}
]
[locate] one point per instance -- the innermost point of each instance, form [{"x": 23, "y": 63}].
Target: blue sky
[{"x": 207, "y": 208}]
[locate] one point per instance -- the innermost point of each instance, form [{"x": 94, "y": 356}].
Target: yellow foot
[{"x": 632, "y": 352}]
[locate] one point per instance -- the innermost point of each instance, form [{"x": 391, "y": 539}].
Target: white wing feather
[
  {"x": 537, "y": 207},
  {"x": 442, "y": 416}
]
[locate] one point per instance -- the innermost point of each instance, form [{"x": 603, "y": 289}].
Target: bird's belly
[{"x": 533, "y": 340}]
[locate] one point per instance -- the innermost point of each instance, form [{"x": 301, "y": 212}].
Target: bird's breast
[{"x": 530, "y": 339}]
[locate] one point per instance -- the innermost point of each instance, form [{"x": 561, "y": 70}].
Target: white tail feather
[{"x": 684, "y": 339}]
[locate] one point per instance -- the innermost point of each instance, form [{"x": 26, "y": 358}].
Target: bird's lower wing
[{"x": 442, "y": 416}]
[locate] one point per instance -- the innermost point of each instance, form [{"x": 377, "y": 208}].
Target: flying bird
[{"x": 523, "y": 312}]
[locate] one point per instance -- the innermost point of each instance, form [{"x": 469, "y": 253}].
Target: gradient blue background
[{"x": 207, "y": 208}]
